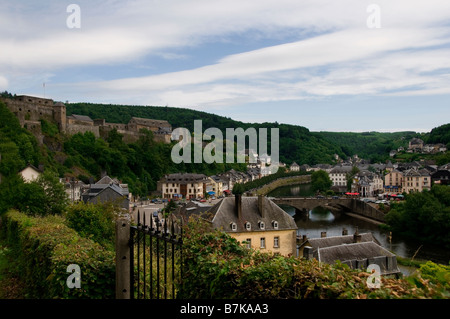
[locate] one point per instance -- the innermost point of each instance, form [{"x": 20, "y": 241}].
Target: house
[
  {"x": 356, "y": 251},
  {"x": 294, "y": 167},
  {"x": 416, "y": 180},
  {"x": 193, "y": 208},
  {"x": 30, "y": 173},
  {"x": 102, "y": 192},
  {"x": 338, "y": 176},
  {"x": 393, "y": 181},
  {"x": 183, "y": 185},
  {"x": 441, "y": 177},
  {"x": 258, "y": 222},
  {"x": 367, "y": 183},
  {"x": 74, "y": 188},
  {"x": 415, "y": 145}
]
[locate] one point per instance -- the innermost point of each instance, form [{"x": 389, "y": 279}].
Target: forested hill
[{"x": 297, "y": 143}]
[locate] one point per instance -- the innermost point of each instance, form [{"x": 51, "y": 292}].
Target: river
[{"x": 320, "y": 220}]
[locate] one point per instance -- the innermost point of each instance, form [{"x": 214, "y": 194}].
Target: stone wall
[{"x": 79, "y": 128}]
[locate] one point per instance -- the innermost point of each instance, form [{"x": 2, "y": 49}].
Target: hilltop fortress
[{"x": 31, "y": 110}]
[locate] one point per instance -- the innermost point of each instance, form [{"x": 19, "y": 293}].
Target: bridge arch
[{"x": 335, "y": 205}]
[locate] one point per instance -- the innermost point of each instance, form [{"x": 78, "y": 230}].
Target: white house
[{"x": 30, "y": 173}]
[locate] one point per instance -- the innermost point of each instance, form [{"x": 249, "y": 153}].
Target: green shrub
[
  {"x": 94, "y": 221},
  {"x": 43, "y": 248}
]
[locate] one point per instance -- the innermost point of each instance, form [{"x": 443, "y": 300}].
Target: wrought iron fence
[{"x": 155, "y": 257}]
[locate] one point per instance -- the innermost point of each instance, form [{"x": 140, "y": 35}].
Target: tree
[
  {"x": 320, "y": 181},
  {"x": 55, "y": 200},
  {"x": 44, "y": 196},
  {"x": 238, "y": 189},
  {"x": 424, "y": 215}
]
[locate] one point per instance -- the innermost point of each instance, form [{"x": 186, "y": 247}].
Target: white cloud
[{"x": 331, "y": 51}]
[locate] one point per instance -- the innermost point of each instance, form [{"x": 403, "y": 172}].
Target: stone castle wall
[{"x": 30, "y": 110}]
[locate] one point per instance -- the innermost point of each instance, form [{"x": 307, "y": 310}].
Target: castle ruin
[{"x": 31, "y": 110}]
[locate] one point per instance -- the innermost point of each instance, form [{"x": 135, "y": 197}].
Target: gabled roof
[
  {"x": 224, "y": 213},
  {"x": 107, "y": 180}
]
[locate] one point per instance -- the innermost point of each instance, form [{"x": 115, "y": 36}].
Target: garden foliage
[
  {"x": 217, "y": 266},
  {"x": 43, "y": 248}
]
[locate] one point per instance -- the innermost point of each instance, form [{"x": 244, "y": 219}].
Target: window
[
  {"x": 233, "y": 226},
  {"x": 248, "y": 226},
  {"x": 275, "y": 224},
  {"x": 276, "y": 242},
  {"x": 261, "y": 225},
  {"x": 249, "y": 242},
  {"x": 262, "y": 242}
]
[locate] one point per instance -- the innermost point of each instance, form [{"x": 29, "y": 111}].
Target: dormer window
[
  {"x": 261, "y": 225},
  {"x": 275, "y": 224},
  {"x": 248, "y": 226},
  {"x": 233, "y": 226}
]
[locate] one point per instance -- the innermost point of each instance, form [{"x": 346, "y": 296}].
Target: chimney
[
  {"x": 323, "y": 234},
  {"x": 304, "y": 238},
  {"x": 344, "y": 231},
  {"x": 356, "y": 236},
  {"x": 261, "y": 205},
  {"x": 238, "y": 205}
]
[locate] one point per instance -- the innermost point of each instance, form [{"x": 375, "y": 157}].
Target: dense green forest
[{"x": 297, "y": 143}]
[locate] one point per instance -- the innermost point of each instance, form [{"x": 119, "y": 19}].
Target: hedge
[
  {"x": 217, "y": 266},
  {"x": 43, "y": 248}
]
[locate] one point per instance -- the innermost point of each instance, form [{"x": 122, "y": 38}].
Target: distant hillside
[
  {"x": 440, "y": 134},
  {"x": 297, "y": 143},
  {"x": 374, "y": 146}
]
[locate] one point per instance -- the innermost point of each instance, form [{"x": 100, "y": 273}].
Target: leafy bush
[
  {"x": 94, "y": 221},
  {"x": 217, "y": 266},
  {"x": 436, "y": 273},
  {"x": 44, "y": 247}
]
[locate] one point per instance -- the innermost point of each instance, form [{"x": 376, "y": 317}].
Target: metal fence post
[{"x": 123, "y": 286}]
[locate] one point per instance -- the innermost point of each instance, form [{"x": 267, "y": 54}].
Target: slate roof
[
  {"x": 366, "y": 253},
  {"x": 96, "y": 189},
  {"x": 150, "y": 122},
  {"x": 317, "y": 243},
  {"x": 224, "y": 213},
  {"x": 185, "y": 177},
  {"x": 83, "y": 118}
]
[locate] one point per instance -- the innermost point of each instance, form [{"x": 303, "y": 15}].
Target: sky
[{"x": 335, "y": 65}]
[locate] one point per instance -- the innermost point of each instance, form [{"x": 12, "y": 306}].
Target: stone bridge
[{"x": 350, "y": 205}]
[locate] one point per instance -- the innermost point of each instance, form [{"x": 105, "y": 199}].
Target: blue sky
[{"x": 326, "y": 65}]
